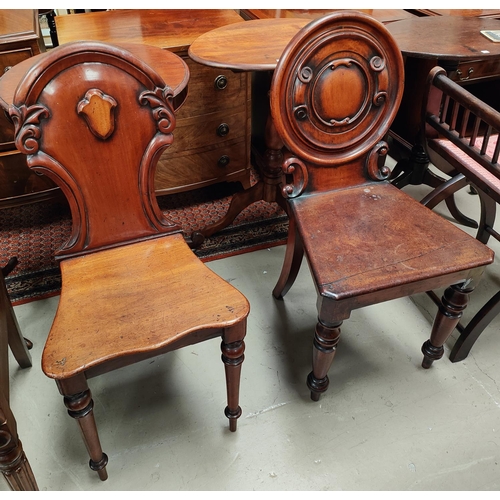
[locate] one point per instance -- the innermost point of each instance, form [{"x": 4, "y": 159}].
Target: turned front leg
[
  {"x": 453, "y": 303},
  {"x": 80, "y": 407},
  {"x": 232, "y": 356},
  {"x": 325, "y": 343}
]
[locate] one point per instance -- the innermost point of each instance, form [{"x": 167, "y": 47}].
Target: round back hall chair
[{"x": 335, "y": 91}]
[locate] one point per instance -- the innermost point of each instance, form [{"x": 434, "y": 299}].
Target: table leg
[
  {"x": 415, "y": 171},
  {"x": 266, "y": 189}
]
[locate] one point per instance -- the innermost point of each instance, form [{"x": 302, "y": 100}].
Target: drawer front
[
  {"x": 212, "y": 89},
  {"x": 474, "y": 70},
  {"x": 190, "y": 171},
  {"x": 208, "y": 131},
  {"x": 16, "y": 179},
  {"x": 10, "y": 58}
]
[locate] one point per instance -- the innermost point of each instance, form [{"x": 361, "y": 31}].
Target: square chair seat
[{"x": 379, "y": 238}]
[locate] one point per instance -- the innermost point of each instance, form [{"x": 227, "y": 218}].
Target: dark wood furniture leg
[
  {"x": 267, "y": 189},
  {"x": 232, "y": 356},
  {"x": 326, "y": 338},
  {"x": 415, "y": 171},
  {"x": 453, "y": 303},
  {"x": 13, "y": 462},
  {"x": 293, "y": 259}
]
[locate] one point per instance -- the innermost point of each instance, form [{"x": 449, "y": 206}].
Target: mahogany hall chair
[
  {"x": 13, "y": 462},
  {"x": 334, "y": 94},
  {"x": 95, "y": 119},
  {"x": 460, "y": 134}
]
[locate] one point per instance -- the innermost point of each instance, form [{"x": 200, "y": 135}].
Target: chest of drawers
[
  {"x": 20, "y": 39},
  {"x": 212, "y": 136}
]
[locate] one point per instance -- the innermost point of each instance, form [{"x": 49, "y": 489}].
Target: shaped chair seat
[
  {"x": 334, "y": 94},
  {"x": 96, "y": 119},
  {"x": 100, "y": 294}
]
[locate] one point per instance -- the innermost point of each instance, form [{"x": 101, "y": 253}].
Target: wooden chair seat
[
  {"x": 364, "y": 249},
  {"x": 89, "y": 306}
]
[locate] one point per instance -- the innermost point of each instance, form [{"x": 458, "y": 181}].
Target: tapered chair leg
[
  {"x": 291, "y": 264},
  {"x": 232, "y": 356},
  {"x": 325, "y": 343},
  {"x": 80, "y": 407},
  {"x": 453, "y": 303}
]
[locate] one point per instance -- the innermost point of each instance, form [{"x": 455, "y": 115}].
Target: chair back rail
[
  {"x": 101, "y": 153},
  {"x": 451, "y": 112}
]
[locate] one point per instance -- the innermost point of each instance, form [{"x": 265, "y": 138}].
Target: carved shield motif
[{"x": 98, "y": 109}]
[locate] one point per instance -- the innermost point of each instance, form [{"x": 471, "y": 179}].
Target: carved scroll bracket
[
  {"x": 375, "y": 171},
  {"x": 297, "y": 169},
  {"x": 27, "y": 126},
  {"x": 161, "y": 101}
]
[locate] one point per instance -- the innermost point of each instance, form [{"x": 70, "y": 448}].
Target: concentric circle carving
[
  {"x": 327, "y": 101},
  {"x": 337, "y": 88}
]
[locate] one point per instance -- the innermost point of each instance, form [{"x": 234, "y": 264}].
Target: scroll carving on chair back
[
  {"x": 335, "y": 91},
  {"x": 95, "y": 119}
]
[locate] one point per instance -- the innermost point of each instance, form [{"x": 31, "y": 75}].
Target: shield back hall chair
[
  {"x": 13, "y": 462},
  {"x": 95, "y": 119},
  {"x": 334, "y": 94},
  {"x": 461, "y": 136}
]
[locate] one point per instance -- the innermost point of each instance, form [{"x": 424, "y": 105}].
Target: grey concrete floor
[{"x": 384, "y": 424}]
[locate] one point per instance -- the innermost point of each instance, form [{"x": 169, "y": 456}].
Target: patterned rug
[{"x": 34, "y": 232}]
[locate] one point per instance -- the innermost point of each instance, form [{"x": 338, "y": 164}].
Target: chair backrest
[
  {"x": 95, "y": 119},
  {"x": 462, "y": 131},
  {"x": 335, "y": 91}
]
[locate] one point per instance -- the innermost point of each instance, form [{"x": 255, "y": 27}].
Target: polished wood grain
[
  {"x": 365, "y": 241},
  {"x": 171, "y": 69},
  {"x": 18, "y": 182},
  {"x": 20, "y": 39},
  {"x": 18, "y": 26},
  {"x": 454, "y": 42},
  {"x": 251, "y": 46},
  {"x": 173, "y": 29},
  {"x": 206, "y": 157},
  {"x": 446, "y": 37},
  {"x": 459, "y": 12},
  {"x": 382, "y": 15},
  {"x": 95, "y": 118}
]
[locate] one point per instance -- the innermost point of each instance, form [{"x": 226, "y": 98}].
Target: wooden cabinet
[
  {"x": 20, "y": 39},
  {"x": 211, "y": 139},
  {"x": 212, "y": 136}
]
